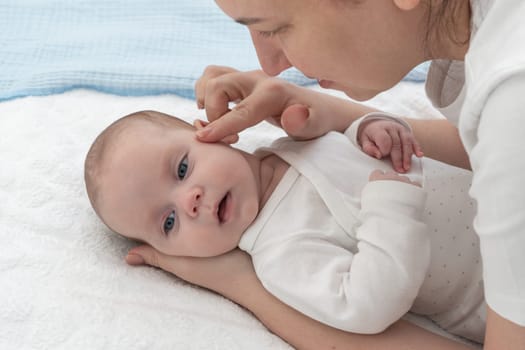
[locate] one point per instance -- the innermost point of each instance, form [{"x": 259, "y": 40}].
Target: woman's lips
[{"x": 325, "y": 84}]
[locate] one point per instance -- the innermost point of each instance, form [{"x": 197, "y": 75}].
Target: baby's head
[{"x": 149, "y": 178}]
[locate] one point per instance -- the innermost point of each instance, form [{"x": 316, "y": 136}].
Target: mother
[{"x": 477, "y": 79}]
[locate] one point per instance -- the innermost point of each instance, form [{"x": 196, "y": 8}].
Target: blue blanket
[{"x": 125, "y": 47}]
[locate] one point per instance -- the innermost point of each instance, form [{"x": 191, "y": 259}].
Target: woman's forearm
[
  {"x": 233, "y": 276},
  {"x": 502, "y": 334},
  {"x": 303, "y": 332},
  {"x": 438, "y": 138},
  {"x": 440, "y": 141},
  {"x": 333, "y": 113}
]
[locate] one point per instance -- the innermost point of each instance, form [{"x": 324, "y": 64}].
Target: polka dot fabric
[{"x": 452, "y": 294}]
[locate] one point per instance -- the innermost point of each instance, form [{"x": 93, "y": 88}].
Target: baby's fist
[
  {"x": 381, "y": 138},
  {"x": 378, "y": 175}
]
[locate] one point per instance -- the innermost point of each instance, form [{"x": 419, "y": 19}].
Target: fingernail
[
  {"x": 203, "y": 132},
  {"x": 134, "y": 259}
]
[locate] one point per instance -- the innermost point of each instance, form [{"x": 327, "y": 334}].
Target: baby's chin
[{"x": 193, "y": 254}]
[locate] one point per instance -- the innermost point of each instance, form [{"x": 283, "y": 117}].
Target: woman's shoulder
[{"x": 497, "y": 51}]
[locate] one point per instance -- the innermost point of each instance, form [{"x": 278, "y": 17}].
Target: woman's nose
[
  {"x": 273, "y": 66},
  {"x": 192, "y": 201},
  {"x": 271, "y": 57}
]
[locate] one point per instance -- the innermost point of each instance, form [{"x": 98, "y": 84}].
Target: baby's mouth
[{"x": 221, "y": 212}]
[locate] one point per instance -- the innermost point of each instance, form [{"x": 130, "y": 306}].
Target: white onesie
[{"x": 358, "y": 255}]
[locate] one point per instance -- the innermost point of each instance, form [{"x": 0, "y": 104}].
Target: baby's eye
[
  {"x": 183, "y": 168},
  {"x": 169, "y": 222}
]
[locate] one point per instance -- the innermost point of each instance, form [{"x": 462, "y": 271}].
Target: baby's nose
[{"x": 193, "y": 201}]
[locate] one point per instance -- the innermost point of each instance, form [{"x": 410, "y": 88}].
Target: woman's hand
[
  {"x": 302, "y": 113},
  {"x": 257, "y": 96},
  {"x": 225, "y": 274}
]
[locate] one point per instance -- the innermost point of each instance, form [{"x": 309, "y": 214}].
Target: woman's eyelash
[
  {"x": 271, "y": 33},
  {"x": 267, "y": 34}
]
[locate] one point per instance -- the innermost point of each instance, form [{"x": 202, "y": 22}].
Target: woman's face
[{"x": 358, "y": 47}]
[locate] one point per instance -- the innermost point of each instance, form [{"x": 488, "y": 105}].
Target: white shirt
[
  {"x": 358, "y": 255},
  {"x": 492, "y": 124}
]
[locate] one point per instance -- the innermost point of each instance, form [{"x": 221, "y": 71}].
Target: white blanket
[{"x": 64, "y": 284}]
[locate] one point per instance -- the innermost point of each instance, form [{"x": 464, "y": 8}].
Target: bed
[{"x": 64, "y": 282}]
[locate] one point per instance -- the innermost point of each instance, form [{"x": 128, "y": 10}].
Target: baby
[{"x": 348, "y": 245}]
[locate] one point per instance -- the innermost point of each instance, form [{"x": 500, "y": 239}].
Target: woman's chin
[
  {"x": 361, "y": 96},
  {"x": 355, "y": 94}
]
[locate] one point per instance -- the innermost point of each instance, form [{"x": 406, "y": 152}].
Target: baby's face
[{"x": 179, "y": 195}]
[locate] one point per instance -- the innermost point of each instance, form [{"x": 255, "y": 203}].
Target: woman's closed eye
[
  {"x": 271, "y": 33},
  {"x": 268, "y": 34},
  {"x": 182, "y": 169},
  {"x": 169, "y": 222}
]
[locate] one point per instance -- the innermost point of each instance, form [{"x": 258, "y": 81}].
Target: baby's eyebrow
[
  {"x": 171, "y": 164},
  {"x": 169, "y": 161}
]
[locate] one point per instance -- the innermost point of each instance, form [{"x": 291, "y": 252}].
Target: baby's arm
[
  {"x": 380, "y": 135},
  {"x": 361, "y": 290}
]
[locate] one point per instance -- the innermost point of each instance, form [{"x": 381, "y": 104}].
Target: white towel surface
[{"x": 64, "y": 284}]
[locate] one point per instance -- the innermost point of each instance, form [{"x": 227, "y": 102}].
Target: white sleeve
[
  {"x": 498, "y": 186},
  {"x": 365, "y": 292},
  {"x": 352, "y": 131}
]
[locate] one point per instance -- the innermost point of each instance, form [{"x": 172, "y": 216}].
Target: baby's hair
[{"x": 107, "y": 139}]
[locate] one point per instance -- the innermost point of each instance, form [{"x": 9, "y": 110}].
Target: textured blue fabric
[{"x": 125, "y": 47}]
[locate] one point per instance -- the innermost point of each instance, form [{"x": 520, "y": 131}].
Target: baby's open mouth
[{"x": 221, "y": 212}]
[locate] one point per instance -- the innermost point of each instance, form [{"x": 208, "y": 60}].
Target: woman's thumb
[{"x": 297, "y": 121}]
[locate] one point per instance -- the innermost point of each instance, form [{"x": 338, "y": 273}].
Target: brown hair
[{"x": 441, "y": 21}]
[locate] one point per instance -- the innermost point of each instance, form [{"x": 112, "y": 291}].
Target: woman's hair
[{"x": 441, "y": 22}]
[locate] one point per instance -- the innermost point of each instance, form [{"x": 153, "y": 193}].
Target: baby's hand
[
  {"x": 378, "y": 175},
  {"x": 380, "y": 138}
]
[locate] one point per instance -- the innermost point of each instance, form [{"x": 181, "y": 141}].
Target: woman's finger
[
  {"x": 268, "y": 100},
  {"x": 200, "y": 124},
  {"x": 144, "y": 255},
  {"x": 210, "y": 72},
  {"x": 231, "y": 123},
  {"x": 187, "y": 268}
]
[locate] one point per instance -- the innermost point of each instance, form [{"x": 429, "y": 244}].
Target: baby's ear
[{"x": 199, "y": 124}]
